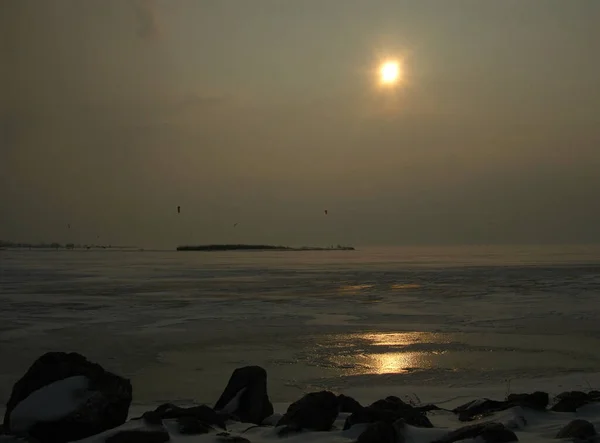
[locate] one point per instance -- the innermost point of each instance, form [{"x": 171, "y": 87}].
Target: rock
[
  {"x": 391, "y": 402},
  {"x": 427, "y": 408},
  {"x": 571, "y": 401},
  {"x": 380, "y": 432},
  {"x": 348, "y": 404},
  {"x": 65, "y": 397},
  {"x": 152, "y": 418},
  {"x": 370, "y": 415},
  {"x": 395, "y": 403},
  {"x": 166, "y": 407},
  {"x": 514, "y": 418},
  {"x": 577, "y": 429},
  {"x": 498, "y": 435},
  {"x": 594, "y": 395},
  {"x": 484, "y": 407},
  {"x": 192, "y": 426},
  {"x": 389, "y": 410},
  {"x": 137, "y": 436},
  {"x": 227, "y": 437},
  {"x": 416, "y": 418},
  {"x": 479, "y": 408},
  {"x": 315, "y": 411},
  {"x": 272, "y": 420},
  {"x": 284, "y": 431},
  {"x": 537, "y": 400},
  {"x": 489, "y": 432},
  {"x": 235, "y": 439},
  {"x": 203, "y": 414},
  {"x": 245, "y": 396}
]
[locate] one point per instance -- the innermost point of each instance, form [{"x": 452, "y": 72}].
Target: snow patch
[
  {"x": 50, "y": 403},
  {"x": 234, "y": 403}
]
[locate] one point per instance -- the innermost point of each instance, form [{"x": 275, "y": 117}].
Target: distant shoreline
[
  {"x": 5, "y": 245},
  {"x": 231, "y": 247}
]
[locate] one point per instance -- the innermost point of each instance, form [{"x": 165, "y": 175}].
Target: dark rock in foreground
[
  {"x": 192, "y": 426},
  {"x": 389, "y": 410},
  {"x": 227, "y": 437},
  {"x": 315, "y": 411},
  {"x": 489, "y": 432},
  {"x": 484, "y": 407},
  {"x": 64, "y": 397},
  {"x": 203, "y": 414},
  {"x": 348, "y": 404},
  {"x": 479, "y": 408},
  {"x": 498, "y": 435},
  {"x": 245, "y": 396},
  {"x": 381, "y": 432},
  {"x": 537, "y": 401},
  {"x": 571, "y": 401},
  {"x": 151, "y": 418},
  {"x": 428, "y": 408},
  {"x": 594, "y": 395},
  {"x": 96, "y": 400},
  {"x": 137, "y": 436},
  {"x": 577, "y": 429}
]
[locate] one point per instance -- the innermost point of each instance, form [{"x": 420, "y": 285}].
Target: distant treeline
[
  {"x": 55, "y": 245},
  {"x": 242, "y": 247}
]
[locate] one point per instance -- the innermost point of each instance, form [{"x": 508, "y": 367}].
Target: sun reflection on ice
[
  {"x": 388, "y": 353},
  {"x": 396, "y": 363}
]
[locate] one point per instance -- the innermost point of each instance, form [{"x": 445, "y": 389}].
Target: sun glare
[{"x": 389, "y": 72}]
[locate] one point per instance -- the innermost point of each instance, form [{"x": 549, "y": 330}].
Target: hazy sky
[{"x": 267, "y": 112}]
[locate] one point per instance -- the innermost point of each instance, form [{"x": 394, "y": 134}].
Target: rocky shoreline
[{"x": 64, "y": 397}]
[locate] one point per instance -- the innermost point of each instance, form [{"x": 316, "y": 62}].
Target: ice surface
[
  {"x": 179, "y": 324},
  {"x": 50, "y": 403}
]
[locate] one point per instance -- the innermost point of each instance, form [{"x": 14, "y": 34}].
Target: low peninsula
[{"x": 241, "y": 247}]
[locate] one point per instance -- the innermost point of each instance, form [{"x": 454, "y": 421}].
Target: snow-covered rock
[
  {"x": 50, "y": 403},
  {"x": 64, "y": 397},
  {"x": 245, "y": 396}
]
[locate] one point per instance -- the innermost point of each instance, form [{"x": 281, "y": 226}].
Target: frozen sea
[{"x": 178, "y": 323}]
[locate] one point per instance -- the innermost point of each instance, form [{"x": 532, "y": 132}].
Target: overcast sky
[{"x": 268, "y": 112}]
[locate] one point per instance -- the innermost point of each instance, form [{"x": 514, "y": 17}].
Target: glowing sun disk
[{"x": 389, "y": 72}]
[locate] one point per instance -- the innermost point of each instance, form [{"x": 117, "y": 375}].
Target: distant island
[{"x": 261, "y": 248}]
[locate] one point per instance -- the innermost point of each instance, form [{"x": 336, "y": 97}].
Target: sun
[{"x": 389, "y": 72}]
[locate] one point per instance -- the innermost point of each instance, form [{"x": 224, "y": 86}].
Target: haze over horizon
[{"x": 266, "y": 113}]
